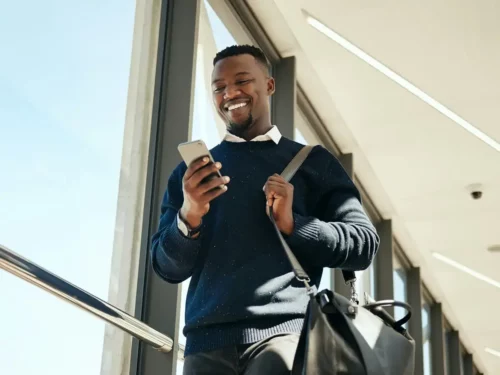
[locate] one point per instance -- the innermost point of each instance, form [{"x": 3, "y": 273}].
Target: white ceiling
[{"x": 415, "y": 162}]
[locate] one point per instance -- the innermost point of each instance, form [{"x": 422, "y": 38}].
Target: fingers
[
  {"x": 206, "y": 171},
  {"x": 214, "y": 193},
  {"x": 219, "y": 182},
  {"x": 201, "y": 178},
  {"x": 195, "y": 166},
  {"x": 203, "y": 172},
  {"x": 277, "y": 178},
  {"x": 277, "y": 189}
]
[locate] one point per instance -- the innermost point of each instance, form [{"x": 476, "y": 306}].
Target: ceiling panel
[{"x": 422, "y": 160}]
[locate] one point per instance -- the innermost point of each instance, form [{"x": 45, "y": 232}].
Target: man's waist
[{"x": 216, "y": 336}]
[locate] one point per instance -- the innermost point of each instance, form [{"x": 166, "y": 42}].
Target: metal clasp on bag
[
  {"x": 354, "y": 294},
  {"x": 311, "y": 290},
  {"x": 353, "y": 308}
]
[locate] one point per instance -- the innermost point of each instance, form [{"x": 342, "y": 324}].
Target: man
[{"x": 244, "y": 308}]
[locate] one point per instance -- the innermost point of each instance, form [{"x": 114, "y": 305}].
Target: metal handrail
[{"x": 36, "y": 275}]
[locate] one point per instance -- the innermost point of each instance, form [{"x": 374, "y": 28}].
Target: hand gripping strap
[{"x": 288, "y": 174}]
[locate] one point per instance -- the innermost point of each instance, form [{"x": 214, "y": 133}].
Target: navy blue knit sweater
[{"x": 242, "y": 288}]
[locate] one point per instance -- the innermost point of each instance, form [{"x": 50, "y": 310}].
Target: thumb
[{"x": 270, "y": 202}]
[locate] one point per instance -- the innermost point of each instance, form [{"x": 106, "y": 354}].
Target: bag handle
[{"x": 300, "y": 274}]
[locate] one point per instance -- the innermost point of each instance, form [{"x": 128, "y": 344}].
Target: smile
[{"x": 236, "y": 106}]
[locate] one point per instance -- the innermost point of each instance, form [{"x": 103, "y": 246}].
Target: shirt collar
[{"x": 272, "y": 135}]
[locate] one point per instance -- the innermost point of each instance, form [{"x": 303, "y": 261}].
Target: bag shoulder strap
[
  {"x": 296, "y": 163},
  {"x": 288, "y": 174}
]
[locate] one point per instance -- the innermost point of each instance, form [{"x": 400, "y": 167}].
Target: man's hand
[
  {"x": 199, "y": 191},
  {"x": 279, "y": 194}
]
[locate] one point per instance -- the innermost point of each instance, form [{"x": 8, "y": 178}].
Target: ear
[{"x": 271, "y": 86}]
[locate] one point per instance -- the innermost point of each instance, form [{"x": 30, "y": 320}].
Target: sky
[
  {"x": 63, "y": 87},
  {"x": 64, "y": 69}
]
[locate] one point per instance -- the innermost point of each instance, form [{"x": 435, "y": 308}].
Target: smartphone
[{"x": 191, "y": 151}]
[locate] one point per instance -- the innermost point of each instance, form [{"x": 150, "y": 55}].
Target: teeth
[{"x": 236, "y": 106}]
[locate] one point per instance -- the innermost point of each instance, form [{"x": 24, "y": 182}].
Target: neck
[{"x": 255, "y": 129}]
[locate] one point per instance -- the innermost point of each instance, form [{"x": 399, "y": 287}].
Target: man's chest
[{"x": 245, "y": 192}]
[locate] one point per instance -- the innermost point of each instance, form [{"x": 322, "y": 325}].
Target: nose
[{"x": 231, "y": 92}]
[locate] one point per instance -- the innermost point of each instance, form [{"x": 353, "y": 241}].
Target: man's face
[{"x": 241, "y": 89}]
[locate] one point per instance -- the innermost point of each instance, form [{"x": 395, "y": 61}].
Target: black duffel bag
[{"x": 339, "y": 335}]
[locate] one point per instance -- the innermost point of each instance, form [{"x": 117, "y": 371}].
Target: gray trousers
[{"x": 271, "y": 356}]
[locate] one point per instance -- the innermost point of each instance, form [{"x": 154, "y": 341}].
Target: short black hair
[{"x": 243, "y": 49}]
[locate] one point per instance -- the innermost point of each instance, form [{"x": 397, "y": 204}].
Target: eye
[
  {"x": 242, "y": 82},
  {"x": 219, "y": 89}
]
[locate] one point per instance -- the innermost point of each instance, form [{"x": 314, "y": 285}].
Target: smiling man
[
  {"x": 244, "y": 308},
  {"x": 244, "y": 105}
]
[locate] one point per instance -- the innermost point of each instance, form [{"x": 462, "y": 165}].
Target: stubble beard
[{"x": 239, "y": 129}]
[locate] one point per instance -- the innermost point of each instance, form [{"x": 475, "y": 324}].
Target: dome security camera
[
  {"x": 476, "y": 194},
  {"x": 476, "y": 191}
]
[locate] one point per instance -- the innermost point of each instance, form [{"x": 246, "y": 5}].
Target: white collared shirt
[{"x": 272, "y": 135}]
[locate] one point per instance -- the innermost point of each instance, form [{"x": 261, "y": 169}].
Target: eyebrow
[{"x": 237, "y": 74}]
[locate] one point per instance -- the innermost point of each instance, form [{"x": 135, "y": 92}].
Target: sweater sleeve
[
  {"x": 340, "y": 235},
  {"x": 173, "y": 255}
]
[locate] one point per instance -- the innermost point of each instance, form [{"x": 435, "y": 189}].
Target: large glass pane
[
  {"x": 373, "y": 272},
  {"x": 213, "y": 36},
  {"x": 299, "y": 137},
  {"x": 400, "y": 288},
  {"x": 63, "y": 92},
  {"x": 180, "y": 367},
  {"x": 364, "y": 284},
  {"x": 462, "y": 362},
  {"x": 222, "y": 37},
  {"x": 427, "y": 343},
  {"x": 303, "y": 131}
]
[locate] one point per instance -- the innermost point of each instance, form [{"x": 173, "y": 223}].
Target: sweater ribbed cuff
[
  {"x": 179, "y": 241},
  {"x": 306, "y": 229},
  {"x": 176, "y": 263}
]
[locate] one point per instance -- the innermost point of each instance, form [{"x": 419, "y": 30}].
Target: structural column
[
  {"x": 454, "y": 353},
  {"x": 283, "y": 101},
  {"x": 414, "y": 288},
  {"x": 158, "y": 303},
  {"x": 384, "y": 266},
  {"x": 437, "y": 339},
  {"x": 468, "y": 364}
]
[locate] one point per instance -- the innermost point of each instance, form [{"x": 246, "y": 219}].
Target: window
[
  {"x": 427, "y": 343},
  {"x": 213, "y": 36},
  {"x": 63, "y": 96},
  {"x": 462, "y": 354},
  {"x": 365, "y": 283},
  {"x": 299, "y": 137},
  {"x": 303, "y": 132},
  {"x": 400, "y": 288},
  {"x": 373, "y": 272}
]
